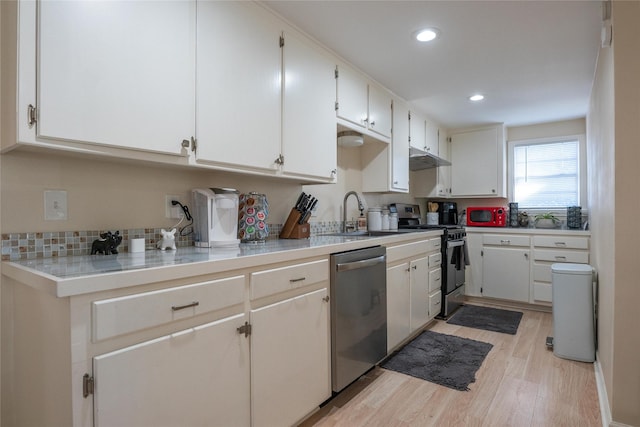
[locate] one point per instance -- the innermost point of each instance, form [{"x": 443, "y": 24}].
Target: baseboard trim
[
  {"x": 603, "y": 399},
  {"x": 499, "y": 303}
]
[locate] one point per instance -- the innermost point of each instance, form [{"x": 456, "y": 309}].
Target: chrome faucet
[{"x": 344, "y": 208}]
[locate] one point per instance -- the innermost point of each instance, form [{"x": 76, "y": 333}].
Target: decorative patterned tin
[
  {"x": 253, "y": 211},
  {"x": 513, "y": 214},
  {"x": 574, "y": 217}
]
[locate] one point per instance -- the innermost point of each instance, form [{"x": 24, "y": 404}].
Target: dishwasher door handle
[{"x": 353, "y": 265}]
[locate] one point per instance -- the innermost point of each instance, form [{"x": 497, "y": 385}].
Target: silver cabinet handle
[
  {"x": 526, "y": 256},
  {"x": 182, "y": 307},
  {"x": 561, "y": 258},
  {"x": 326, "y": 299},
  {"x": 560, "y": 243},
  {"x": 505, "y": 242},
  {"x": 297, "y": 280}
]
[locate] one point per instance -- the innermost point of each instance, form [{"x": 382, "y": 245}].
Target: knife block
[{"x": 300, "y": 231}]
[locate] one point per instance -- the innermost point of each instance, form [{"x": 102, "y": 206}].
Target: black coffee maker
[{"x": 448, "y": 213}]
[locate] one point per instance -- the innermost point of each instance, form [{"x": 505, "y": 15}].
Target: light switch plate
[{"x": 55, "y": 205}]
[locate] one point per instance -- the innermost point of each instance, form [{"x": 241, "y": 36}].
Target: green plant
[{"x": 547, "y": 215}]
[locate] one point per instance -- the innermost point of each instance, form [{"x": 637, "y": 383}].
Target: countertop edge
[{"x": 66, "y": 287}]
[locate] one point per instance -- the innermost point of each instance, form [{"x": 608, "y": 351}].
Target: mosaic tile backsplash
[{"x": 16, "y": 246}]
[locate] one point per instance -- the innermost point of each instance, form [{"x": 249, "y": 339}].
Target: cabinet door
[
  {"x": 352, "y": 97},
  {"x": 117, "y": 73},
  {"x": 379, "y": 118},
  {"x": 290, "y": 359},
  {"x": 419, "y": 293},
  {"x": 309, "y": 122},
  {"x": 431, "y": 143},
  {"x": 477, "y": 163},
  {"x": 238, "y": 85},
  {"x": 398, "y": 303},
  {"x": 505, "y": 273},
  {"x": 417, "y": 131},
  {"x": 199, "y": 376},
  {"x": 443, "y": 188},
  {"x": 400, "y": 146}
]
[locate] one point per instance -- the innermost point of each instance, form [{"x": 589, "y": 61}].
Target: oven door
[{"x": 455, "y": 265}]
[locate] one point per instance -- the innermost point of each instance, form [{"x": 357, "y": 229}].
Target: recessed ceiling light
[
  {"x": 427, "y": 34},
  {"x": 476, "y": 97}
]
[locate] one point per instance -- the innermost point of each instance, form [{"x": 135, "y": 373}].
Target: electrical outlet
[
  {"x": 55, "y": 205},
  {"x": 170, "y": 211}
]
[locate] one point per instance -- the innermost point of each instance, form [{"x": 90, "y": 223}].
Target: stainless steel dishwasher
[{"x": 358, "y": 313}]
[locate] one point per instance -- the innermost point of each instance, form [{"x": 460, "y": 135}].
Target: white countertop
[
  {"x": 75, "y": 275},
  {"x": 530, "y": 231}
]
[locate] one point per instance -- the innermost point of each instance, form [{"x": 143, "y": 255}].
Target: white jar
[
  {"x": 374, "y": 219},
  {"x": 385, "y": 219},
  {"x": 393, "y": 221}
]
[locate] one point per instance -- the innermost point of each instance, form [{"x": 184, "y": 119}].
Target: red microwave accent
[{"x": 483, "y": 216}]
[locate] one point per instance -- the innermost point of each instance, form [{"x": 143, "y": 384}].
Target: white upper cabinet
[
  {"x": 117, "y": 74},
  {"x": 432, "y": 137},
  {"x": 363, "y": 105},
  {"x": 385, "y": 167},
  {"x": 309, "y": 130},
  {"x": 478, "y": 163},
  {"x": 238, "y": 85},
  {"x": 417, "y": 131}
]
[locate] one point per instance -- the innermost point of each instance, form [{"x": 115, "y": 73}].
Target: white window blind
[{"x": 546, "y": 175}]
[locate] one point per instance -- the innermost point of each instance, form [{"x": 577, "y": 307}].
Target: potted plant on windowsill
[{"x": 546, "y": 220}]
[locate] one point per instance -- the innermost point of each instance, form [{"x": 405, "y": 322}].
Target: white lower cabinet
[
  {"x": 185, "y": 352},
  {"x": 199, "y": 376},
  {"x": 409, "y": 278},
  {"x": 517, "y": 266},
  {"x": 290, "y": 369},
  {"x": 505, "y": 266}
]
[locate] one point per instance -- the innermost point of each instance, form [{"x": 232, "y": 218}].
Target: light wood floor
[{"x": 520, "y": 383}]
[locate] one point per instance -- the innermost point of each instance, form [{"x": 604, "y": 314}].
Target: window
[{"x": 547, "y": 174}]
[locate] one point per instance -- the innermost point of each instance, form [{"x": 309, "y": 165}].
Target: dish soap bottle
[{"x": 362, "y": 222}]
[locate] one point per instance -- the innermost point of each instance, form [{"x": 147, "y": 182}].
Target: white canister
[
  {"x": 374, "y": 219},
  {"x": 385, "y": 219},
  {"x": 393, "y": 221},
  {"x": 432, "y": 218}
]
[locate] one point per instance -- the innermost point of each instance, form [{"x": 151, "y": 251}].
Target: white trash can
[{"x": 573, "y": 311}]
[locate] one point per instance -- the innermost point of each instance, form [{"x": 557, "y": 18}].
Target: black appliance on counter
[
  {"x": 448, "y": 213},
  {"x": 454, "y": 252}
]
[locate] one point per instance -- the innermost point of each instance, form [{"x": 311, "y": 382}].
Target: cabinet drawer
[
  {"x": 555, "y": 255},
  {"x": 435, "y": 278},
  {"x": 396, "y": 253},
  {"x": 542, "y": 272},
  {"x": 505, "y": 240},
  {"x": 121, "y": 315},
  {"x": 542, "y": 291},
  {"x": 568, "y": 242},
  {"x": 435, "y": 304},
  {"x": 435, "y": 244},
  {"x": 435, "y": 260},
  {"x": 269, "y": 282}
]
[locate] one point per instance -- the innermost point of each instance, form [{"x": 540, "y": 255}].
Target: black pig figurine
[{"x": 107, "y": 243}]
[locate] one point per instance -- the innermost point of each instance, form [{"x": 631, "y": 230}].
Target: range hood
[{"x": 419, "y": 160}]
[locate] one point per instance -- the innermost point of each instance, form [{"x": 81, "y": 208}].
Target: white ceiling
[{"x": 533, "y": 60}]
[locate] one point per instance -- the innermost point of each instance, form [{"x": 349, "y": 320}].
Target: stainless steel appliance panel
[{"x": 358, "y": 313}]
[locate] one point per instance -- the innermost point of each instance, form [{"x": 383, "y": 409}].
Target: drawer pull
[
  {"x": 326, "y": 299},
  {"x": 182, "y": 307},
  {"x": 561, "y": 258},
  {"x": 561, "y": 244},
  {"x": 505, "y": 242},
  {"x": 437, "y": 279},
  {"x": 436, "y": 303},
  {"x": 297, "y": 280}
]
